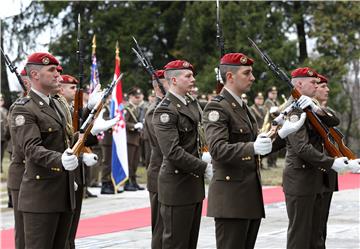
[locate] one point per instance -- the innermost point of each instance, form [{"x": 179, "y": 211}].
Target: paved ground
[{"x": 343, "y": 228}]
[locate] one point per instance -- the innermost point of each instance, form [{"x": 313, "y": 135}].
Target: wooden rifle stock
[
  {"x": 338, "y": 137},
  {"x": 78, "y": 102}
]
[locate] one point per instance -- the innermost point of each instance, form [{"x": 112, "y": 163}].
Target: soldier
[
  {"x": 235, "y": 194},
  {"x": 134, "y": 126},
  {"x": 306, "y": 163},
  {"x": 258, "y": 110},
  {"x": 46, "y": 195},
  {"x": 156, "y": 158},
  {"x": 271, "y": 105},
  {"x": 15, "y": 173},
  {"x": 181, "y": 176}
]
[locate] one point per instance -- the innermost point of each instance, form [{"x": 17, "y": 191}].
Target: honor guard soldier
[
  {"x": 133, "y": 118},
  {"x": 156, "y": 158},
  {"x": 181, "y": 176},
  {"x": 258, "y": 110},
  {"x": 15, "y": 174},
  {"x": 46, "y": 195},
  {"x": 231, "y": 133},
  {"x": 306, "y": 163}
]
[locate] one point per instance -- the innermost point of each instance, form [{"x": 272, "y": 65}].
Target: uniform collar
[
  {"x": 41, "y": 95},
  {"x": 181, "y": 98},
  {"x": 237, "y": 98}
]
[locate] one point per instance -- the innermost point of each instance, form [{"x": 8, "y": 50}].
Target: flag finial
[
  {"x": 93, "y": 44},
  {"x": 117, "y": 48}
]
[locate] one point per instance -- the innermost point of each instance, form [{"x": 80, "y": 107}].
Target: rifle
[
  {"x": 333, "y": 139},
  {"x": 89, "y": 122},
  {"x": 13, "y": 69},
  {"x": 221, "y": 46},
  {"x": 78, "y": 102},
  {"x": 145, "y": 62}
]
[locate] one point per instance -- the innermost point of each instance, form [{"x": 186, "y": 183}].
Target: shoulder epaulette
[
  {"x": 22, "y": 101},
  {"x": 218, "y": 98},
  {"x": 165, "y": 102}
]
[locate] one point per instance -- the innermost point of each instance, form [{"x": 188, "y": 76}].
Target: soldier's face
[
  {"x": 322, "y": 92},
  {"x": 309, "y": 86},
  {"x": 184, "y": 82},
  {"x": 48, "y": 78},
  {"x": 259, "y": 101},
  {"x": 244, "y": 79},
  {"x": 68, "y": 91}
]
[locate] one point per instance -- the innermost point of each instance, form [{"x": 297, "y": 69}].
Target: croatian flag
[
  {"x": 119, "y": 162},
  {"x": 94, "y": 78}
]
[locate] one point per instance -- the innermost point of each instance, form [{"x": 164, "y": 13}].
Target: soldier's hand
[
  {"x": 208, "y": 171},
  {"x": 206, "y": 157},
  {"x": 101, "y": 124},
  {"x": 138, "y": 126},
  {"x": 95, "y": 97},
  {"x": 291, "y": 126},
  {"x": 262, "y": 145},
  {"x": 69, "y": 161},
  {"x": 90, "y": 159},
  {"x": 305, "y": 101},
  {"x": 354, "y": 165},
  {"x": 340, "y": 164}
]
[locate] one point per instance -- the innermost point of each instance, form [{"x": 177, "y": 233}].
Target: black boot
[
  {"x": 130, "y": 186},
  {"x": 138, "y": 187},
  {"x": 107, "y": 188}
]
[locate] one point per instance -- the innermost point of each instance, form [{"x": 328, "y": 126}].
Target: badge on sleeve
[
  {"x": 19, "y": 120},
  {"x": 164, "y": 118},
  {"x": 214, "y": 116}
]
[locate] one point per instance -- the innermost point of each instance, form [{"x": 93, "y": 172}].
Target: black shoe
[
  {"x": 130, "y": 187},
  {"x": 88, "y": 194},
  {"x": 107, "y": 189},
  {"x": 138, "y": 187}
]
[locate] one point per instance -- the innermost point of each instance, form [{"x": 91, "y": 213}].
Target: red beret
[
  {"x": 322, "y": 78},
  {"x": 236, "y": 59},
  {"x": 304, "y": 72},
  {"x": 23, "y": 72},
  {"x": 68, "y": 79},
  {"x": 59, "y": 68},
  {"x": 159, "y": 74},
  {"x": 42, "y": 59},
  {"x": 178, "y": 65}
]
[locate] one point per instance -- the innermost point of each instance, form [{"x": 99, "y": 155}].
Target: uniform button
[
  {"x": 303, "y": 166},
  {"x": 185, "y": 129},
  {"x": 241, "y": 130},
  {"x": 24, "y": 161},
  {"x": 50, "y": 129},
  {"x": 227, "y": 178},
  {"x": 176, "y": 171},
  {"x": 37, "y": 177}
]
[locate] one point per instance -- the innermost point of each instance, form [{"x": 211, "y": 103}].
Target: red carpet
[{"x": 137, "y": 218}]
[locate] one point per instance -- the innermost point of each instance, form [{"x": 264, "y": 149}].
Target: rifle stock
[
  {"x": 89, "y": 122},
  {"x": 333, "y": 141}
]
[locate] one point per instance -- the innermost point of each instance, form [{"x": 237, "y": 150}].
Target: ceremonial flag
[
  {"x": 119, "y": 162},
  {"x": 94, "y": 79}
]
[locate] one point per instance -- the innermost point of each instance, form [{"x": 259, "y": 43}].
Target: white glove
[
  {"x": 138, "y": 126},
  {"x": 209, "y": 171},
  {"x": 340, "y": 164},
  {"x": 206, "y": 157},
  {"x": 290, "y": 127},
  {"x": 262, "y": 145},
  {"x": 94, "y": 97},
  {"x": 273, "y": 109},
  {"x": 305, "y": 101},
  {"x": 101, "y": 124},
  {"x": 75, "y": 186},
  {"x": 354, "y": 165},
  {"x": 90, "y": 159},
  {"x": 69, "y": 161}
]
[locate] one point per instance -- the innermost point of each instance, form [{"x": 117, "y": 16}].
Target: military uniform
[
  {"x": 304, "y": 178},
  {"x": 156, "y": 158},
  {"x": 15, "y": 174},
  {"x": 46, "y": 196},
  {"x": 132, "y": 116},
  {"x": 235, "y": 196},
  {"x": 181, "y": 181}
]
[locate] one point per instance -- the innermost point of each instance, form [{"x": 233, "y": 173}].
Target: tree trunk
[
  {"x": 300, "y": 29},
  {"x": 4, "y": 79}
]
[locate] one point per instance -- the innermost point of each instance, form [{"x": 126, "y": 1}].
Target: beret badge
[
  {"x": 45, "y": 60},
  {"x": 243, "y": 60}
]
